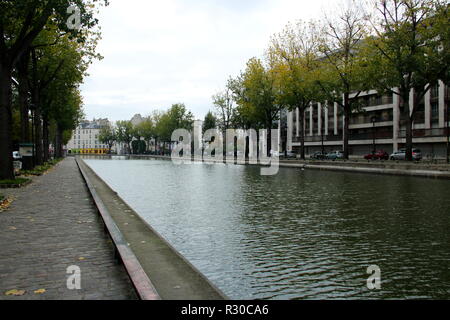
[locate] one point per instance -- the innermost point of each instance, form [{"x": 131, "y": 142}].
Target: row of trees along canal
[
  {"x": 393, "y": 46},
  {"x": 157, "y": 127},
  {"x": 42, "y": 63}
]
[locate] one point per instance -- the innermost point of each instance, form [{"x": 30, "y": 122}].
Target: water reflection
[{"x": 297, "y": 235}]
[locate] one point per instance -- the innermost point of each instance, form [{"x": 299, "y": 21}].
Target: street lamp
[
  {"x": 448, "y": 129},
  {"x": 374, "y": 121},
  {"x": 33, "y": 133}
]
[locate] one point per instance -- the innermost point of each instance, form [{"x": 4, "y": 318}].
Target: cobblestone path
[{"x": 51, "y": 226}]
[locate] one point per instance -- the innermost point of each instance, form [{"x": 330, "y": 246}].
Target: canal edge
[
  {"x": 141, "y": 282},
  {"x": 207, "y": 285},
  {"x": 352, "y": 168}
]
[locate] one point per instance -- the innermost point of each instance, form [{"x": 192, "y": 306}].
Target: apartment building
[
  {"x": 85, "y": 138},
  {"x": 379, "y": 120}
]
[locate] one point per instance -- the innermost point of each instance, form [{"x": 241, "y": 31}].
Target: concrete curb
[
  {"x": 393, "y": 172},
  {"x": 196, "y": 285},
  {"x": 139, "y": 278}
]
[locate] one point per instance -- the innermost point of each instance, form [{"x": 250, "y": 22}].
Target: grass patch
[
  {"x": 14, "y": 182},
  {"x": 40, "y": 170},
  {"x": 2, "y": 197}
]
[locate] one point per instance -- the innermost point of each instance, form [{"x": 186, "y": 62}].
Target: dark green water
[{"x": 299, "y": 234}]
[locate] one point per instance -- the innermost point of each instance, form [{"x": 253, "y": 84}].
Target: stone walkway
[{"x": 53, "y": 225}]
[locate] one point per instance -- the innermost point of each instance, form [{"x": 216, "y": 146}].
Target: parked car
[
  {"x": 319, "y": 155},
  {"x": 16, "y": 156},
  {"x": 274, "y": 153},
  {"x": 291, "y": 154},
  {"x": 335, "y": 155},
  {"x": 378, "y": 155},
  {"x": 401, "y": 155}
]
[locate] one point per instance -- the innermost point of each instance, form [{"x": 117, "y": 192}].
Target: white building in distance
[{"x": 85, "y": 138}]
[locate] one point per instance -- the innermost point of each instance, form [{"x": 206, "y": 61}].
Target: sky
[{"x": 157, "y": 53}]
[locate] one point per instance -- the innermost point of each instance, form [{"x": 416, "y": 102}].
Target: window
[
  {"x": 434, "y": 92},
  {"x": 435, "y": 111},
  {"x": 419, "y": 116}
]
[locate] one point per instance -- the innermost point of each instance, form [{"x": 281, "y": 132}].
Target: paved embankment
[
  {"x": 52, "y": 225},
  {"x": 399, "y": 170},
  {"x": 416, "y": 169},
  {"x": 173, "y": 277}
]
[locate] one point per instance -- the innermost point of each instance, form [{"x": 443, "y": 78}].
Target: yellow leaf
[
  {"x": 81, "y": 258},
  {"x": 40, "y": 291},
  {"x": 15, "y": 292}
]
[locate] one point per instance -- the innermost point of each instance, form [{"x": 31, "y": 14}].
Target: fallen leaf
[
  {"x": 81, "y": 258},
  {"x": 15, "y": 292},
  {"x": 40, "y": 291},
  {"x": 12, "y": 228}
]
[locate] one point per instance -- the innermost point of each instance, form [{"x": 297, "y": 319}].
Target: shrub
[{"x": 13, "y": 182}]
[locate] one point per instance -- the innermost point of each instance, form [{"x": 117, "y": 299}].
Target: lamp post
[
  {"x": 374, "y": 120},
  {"x": 447, "y": 129},
  {"x": 33, "y": 134},
  {"x": 322, "y": 129}
]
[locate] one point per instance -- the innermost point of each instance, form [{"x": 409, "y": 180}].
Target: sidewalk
[{"x": 51, "y": 226}]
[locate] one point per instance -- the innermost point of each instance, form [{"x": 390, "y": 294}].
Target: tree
[
  {"x": 408, "y": 53},
  {"x": 125, "y": 134},
  {"x": 147, "y": 131},
  {"x": 156, "y": 117},
  {"x": 256, "y": 95},
  {"x": 56, "y": 73},
  {"x": 210, "y": 122},
  {"x": 225, "y": 108},
  {"x": 295, "y": 58},
  {"x": 67, "y": 111},
  {"x": 108, "y": 136},
  {"x": 177, "y": 117},
  {"x": 342, "y": 64},
  {"x": 20, "y": 23}
]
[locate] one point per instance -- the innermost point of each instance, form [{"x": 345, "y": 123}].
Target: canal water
[{"x": 296, "y": 235}]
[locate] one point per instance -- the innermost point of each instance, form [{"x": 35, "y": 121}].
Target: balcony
[
  {"x": 367, "y": 119},
  {"x": 379, "y": 135},
  {"x": 425, "y": 133},
  {"x": 317, "y": 138}
]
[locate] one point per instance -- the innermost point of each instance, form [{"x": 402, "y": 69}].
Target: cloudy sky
[{"x": 162, "y": 52}]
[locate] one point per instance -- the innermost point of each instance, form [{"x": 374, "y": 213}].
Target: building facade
[
  {"x": 85, "y": 138},
  {"x": 378, "y": 121}
]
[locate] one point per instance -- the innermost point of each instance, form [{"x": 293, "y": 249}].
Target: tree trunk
[
  {"x": 6, "y": 145},
  {"x": 45, "y": 138},
  {"x": 409, "y": 126},
  {"x": 24, "y": 89},
  {"x": 58, "y": 143},
  {"x": 409, "y": 138},
  {"x": 269, "y": 140},
  {"x": 302, "y": 133},
  {"x": 347, "y": 113},
  {"x": 38, "y": 136}
]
